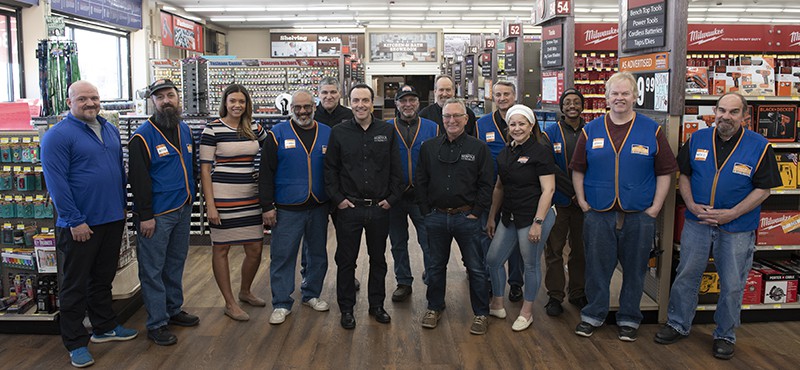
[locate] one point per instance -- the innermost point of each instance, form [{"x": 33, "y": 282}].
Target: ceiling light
[
  {"x": 522, "y": 8},
  {"x": 228, "y": 19},
  {"x": 378, "y": 25},
  {"x": 605, "y": 10},
  {"x": 201, "y": 10},
  {"x": 727, "y": 10},
  {"x": 690, "y": 19},
  {"x": 764, "y": 10},
  {"x": 402, "y": 18},
  {"x": 435, "y": 25},
  {"x": 754, "y": 20},
  {"x": 588, "y": 19},
  {"x": 298, "y": 19},
  {"x": 722, "y": 19},
  {"x": 485, "y": 18},
  {"x": 371, "y": 18},
  {"x": 582, "y": 10},
  {"x": 192, "y": 18},
  {"x": 442, "y": 18},
  {"x": 449, "y": 7},
  {"x": 169, "y": 8},
  {"x": 489, "y": 8},
  {"x": 367, "y": 8},
  {"x": 791, "y": 10},
  {"x": 263, "y": 19},
  {"x": 786, "y": 20},
  {"x": 697, "y": 10},
  {"x": 335, "y": 18},
  {"x": 286, "y": 8},
  {"x": 409, "y": 8}
]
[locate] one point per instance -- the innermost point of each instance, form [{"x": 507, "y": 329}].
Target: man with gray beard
[
  {"x": 163, "y": 182},
  {"x": 295, "y": 205}
]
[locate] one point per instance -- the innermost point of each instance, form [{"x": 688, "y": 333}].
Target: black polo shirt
[
  {"x": 334, "y": 118},
  {"x": 519, "y": 168},
  {"x": 453, "y": 174},
  {"x": 433, "y": 112},
  {"x": 363, "y": 164}
]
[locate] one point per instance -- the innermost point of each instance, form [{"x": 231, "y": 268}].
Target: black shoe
[
  {"x": 579, "y": 302},
  {"x": 668, "y": 335},
  {"x": 584, "y": 329},
  {"x": 627, "y": 333},
  {"x": 553, "y": 307},
  {"x": 184, "y": 319},
  {"x": 162, "y": 336},
  {"x": 380, "y": 315},
  {"x": 358, "y": 284},
  {"x": 515, "y": 293},
  {"x": 348, "y": 320},
  {"x": 401, "y": 293},
  {"x": 723, "y": 349}
]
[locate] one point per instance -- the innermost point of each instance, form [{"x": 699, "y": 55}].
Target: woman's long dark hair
[{"x": 245, "y": 128}]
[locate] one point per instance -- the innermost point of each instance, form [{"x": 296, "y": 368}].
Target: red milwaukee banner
[{"x": 701, "y": 37}]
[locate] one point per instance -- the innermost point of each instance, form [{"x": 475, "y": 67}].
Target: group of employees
[{"x": 507, "y": 191}]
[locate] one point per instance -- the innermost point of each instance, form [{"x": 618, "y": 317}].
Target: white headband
[{"x": 521, "y": 110}]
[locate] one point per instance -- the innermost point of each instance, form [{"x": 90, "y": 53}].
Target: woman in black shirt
[{"x": 523, "y": 194}]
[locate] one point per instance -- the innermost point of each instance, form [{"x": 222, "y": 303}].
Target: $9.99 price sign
[{"x": 653, "y": 91}]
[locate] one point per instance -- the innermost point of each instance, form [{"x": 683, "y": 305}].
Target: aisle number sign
[{"x": 549, "y": 9}]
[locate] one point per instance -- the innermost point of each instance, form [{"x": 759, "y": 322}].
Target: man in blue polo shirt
[{"x": 82, "y": 162}]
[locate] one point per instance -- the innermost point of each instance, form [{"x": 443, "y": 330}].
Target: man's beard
[
  {"x": 302, "y": 123},
  {"x": 168, "y": 117}
]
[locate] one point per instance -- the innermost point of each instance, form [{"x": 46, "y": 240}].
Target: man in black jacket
[
  {"x": 329, "y": 111},
  {"x": 444, "y": 89}
]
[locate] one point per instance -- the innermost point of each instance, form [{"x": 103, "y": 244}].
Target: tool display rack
[{"x": 592, "y": 69}]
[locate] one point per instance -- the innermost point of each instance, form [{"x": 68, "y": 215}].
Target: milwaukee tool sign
[
  {"x": 716, "y": 37},
  {"x": 596, "y": 36}
]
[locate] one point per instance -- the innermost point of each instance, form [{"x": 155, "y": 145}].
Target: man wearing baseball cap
[
  {"x": 163, "y": 182},
  {"x": 412, "y": 131}
]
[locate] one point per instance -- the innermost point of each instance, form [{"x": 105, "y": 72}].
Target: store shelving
[{"x": 769, "y": 306}]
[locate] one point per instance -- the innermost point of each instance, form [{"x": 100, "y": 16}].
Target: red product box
[
  {"x": 780, "y": 284},
  {"x": 778, "y": 228},
  {"x": 753, "y": 287},
  {"x": 697, "y": 80}
]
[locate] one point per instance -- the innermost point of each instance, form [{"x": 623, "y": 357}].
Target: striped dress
[{"x": 235, "y": 186}]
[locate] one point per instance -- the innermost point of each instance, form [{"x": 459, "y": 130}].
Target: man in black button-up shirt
[
  {"x": 454, "y": 186},
  {"x": 362, "y": 177}
]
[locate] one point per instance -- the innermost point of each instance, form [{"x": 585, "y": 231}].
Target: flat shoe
[
  {"x": 500, "y": 314},
  {"x": 521, "y": 323},
  {"x": 255, "y": 301},
  {"x": 240, "y": 317}
]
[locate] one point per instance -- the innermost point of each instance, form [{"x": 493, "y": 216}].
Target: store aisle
[{"x": 310, "y": 339}]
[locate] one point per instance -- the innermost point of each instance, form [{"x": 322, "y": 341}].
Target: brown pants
[{"x": 569, "y": 224}]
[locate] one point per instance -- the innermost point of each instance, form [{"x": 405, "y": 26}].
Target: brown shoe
[
  {"x": 431, "y": 319},
  {"x": 255, "y": 301},
  {"x": 479, "y": 325}
]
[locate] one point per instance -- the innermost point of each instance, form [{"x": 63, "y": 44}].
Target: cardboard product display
[
  {"x": 753, "y": 288},
  {"x": 697, "y": 80},
  {"x": 777, "y": 122},
  {"x": 780, "y": 284},
  {"x": 787, "y": 167},
  {"x": 757, "y": 77},
  {"x": 788, "y": 81},
  {"x": 696, "y": 117},
  {"x": 726, "y": 79},
  {"x": 778, "y": 228}
]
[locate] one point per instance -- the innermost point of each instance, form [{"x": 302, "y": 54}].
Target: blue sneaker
[
  {"x": 118, "y": 334},
  {"x": 81, "y": 357}
]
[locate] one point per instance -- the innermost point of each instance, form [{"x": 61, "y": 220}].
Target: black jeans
[
  {"x": 88, "y": 269},
  {"x": 374, "y": 220}
]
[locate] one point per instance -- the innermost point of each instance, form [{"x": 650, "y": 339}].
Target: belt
[
  {"x": 364, "y": 202},
  {"x": 452, "y": 211}
]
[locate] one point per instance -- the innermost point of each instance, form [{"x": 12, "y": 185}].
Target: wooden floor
[{"x": 313, "y": 340}]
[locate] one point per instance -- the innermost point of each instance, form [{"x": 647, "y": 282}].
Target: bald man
[{"x": 82, "y": 161}]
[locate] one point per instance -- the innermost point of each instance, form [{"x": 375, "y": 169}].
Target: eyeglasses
[
  {"x": 451, "y": 116},
  {"x": 451, "y": 160},
  {"x": 302, "y": 107}
]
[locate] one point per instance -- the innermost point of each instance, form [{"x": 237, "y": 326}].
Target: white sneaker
[
  {"x": 317, "y": 304},
  {"x": 279, "y": 316}
]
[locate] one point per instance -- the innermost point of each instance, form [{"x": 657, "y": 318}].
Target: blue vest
[
  {"x": 735, "y": 175},
  {"x": 556, "y": 136},
  {"x": 170, "y": 167},
  {"x": 627, "y": 177},
  {"x": 300, "y": 172},
  {"x": 489, "y": 132},
  {"x": 409, "y": 152}
]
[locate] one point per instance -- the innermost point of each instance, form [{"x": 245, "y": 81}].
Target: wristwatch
[{"x": 538, "y": 220}]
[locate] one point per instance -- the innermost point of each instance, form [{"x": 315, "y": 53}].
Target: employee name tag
[
  {"x": 557, "y": 147},
  {"x": 701, "y": 155},
  {"x": 523, "y": 159},
  {"x": 640, "y": 149},
  {"x": 162, "y": 150},
  {"x": 742, "y": 169},
  {"x": 324, "y": 149},
  {"x": 289, "y": 144},
  {"x": 598, "y": 143},
  {"x": 489, "y": 137},
  {"x": 189, "y": 148}
]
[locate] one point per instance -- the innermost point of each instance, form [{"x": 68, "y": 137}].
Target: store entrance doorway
[{"x": 388, "y": 86}]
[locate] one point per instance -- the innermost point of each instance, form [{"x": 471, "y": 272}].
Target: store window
[
  {"x": 10, "y": 79},
  {"x": 103, "y": 58}
]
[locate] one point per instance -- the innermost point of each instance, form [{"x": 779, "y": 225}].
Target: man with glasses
[
  {"x": 454, "y": 186},
  {"x": 292, "y": 189},
  {"x": 362, "y": 177},
  {"x": 329, "y": 111},
  {"x": 444, "y": 89},
  {"x": 412, "y": 131}
]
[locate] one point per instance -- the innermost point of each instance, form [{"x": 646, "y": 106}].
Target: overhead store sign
[
  {"x": 596, "y": 36},
  {"x": 181, "y": 33},
  {"x": 646, "y": 25},
  {"x": 125, "y": 13},
  {"x": 645, "y": 62},
  {"x": 548, "y": 9},
  {"x": 408, "y": 47},
  {"x": 306, "y": 45}
]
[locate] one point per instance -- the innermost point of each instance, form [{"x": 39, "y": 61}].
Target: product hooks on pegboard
[{"x": 58, "y": 68}]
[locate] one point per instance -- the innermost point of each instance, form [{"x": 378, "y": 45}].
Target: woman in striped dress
[{"x": 228, "y": 149}]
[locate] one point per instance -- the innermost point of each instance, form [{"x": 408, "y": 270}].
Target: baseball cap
[
  {"x": 158, "y": 85},
  {"x": 406, "y": 91}
]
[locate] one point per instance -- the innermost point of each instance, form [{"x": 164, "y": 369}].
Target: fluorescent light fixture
[
  {"x": 169, "y": 8},
  {"x": 286, "y": 9},
  {"x": 522, "y": 8},
  {"x": 605, "y": 10},
  {"x": 485, "y": 18},
  {"x": 754, "y": 20},
  {"x": 764, "y": 10},
  {"x": 723, "y": 19},
  {"x": 582, "y": 10},
  {"x": 378, "y": 25},
  {"x": 435, "y": 25},
  {"x": 786, "y": 20},
  {"x": 263, "y": 19},
  {"x": 700, "y": 19},
  {"x": 335, "y": 18},
  {"x": 298, "y": 19},
  {"x": 409, "y": 8},
  {"x": 437, "y": 18},
  {"x": 727, "y": 10},
  {"x": 450, "y": 7},
  {"x": 489, "y": 8},
  {"x": 403, "y": 18},
  {"x": 330, "y": 7},
  {"x": 791, "y": 10},
  {"x": 193, "y": 18},
  {"x": 588, "y": 19},
  {"x": 202, "y": 10},
  {"x": 228, "y": 19},
  {"x": 367, "y": 8},
  {"x": 349, "y": 25},
  {"x": 697, "y": 10},
  {"x": 372, "y": 18},
  {"x": 246, "y": 9}
]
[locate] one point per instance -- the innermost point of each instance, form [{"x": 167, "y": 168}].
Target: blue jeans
[
  {"x": 161, "y": 261},
  {"x": 515, "y": 265},
  {"x": 733, "y": 257},
  {"x": 505, "y": 239},
  {"x": 398, "y": 235},
  {"x": 312, "y": 227},
  {"x": 442, "y": 228},
  {"x": 604, "y": 246}
]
